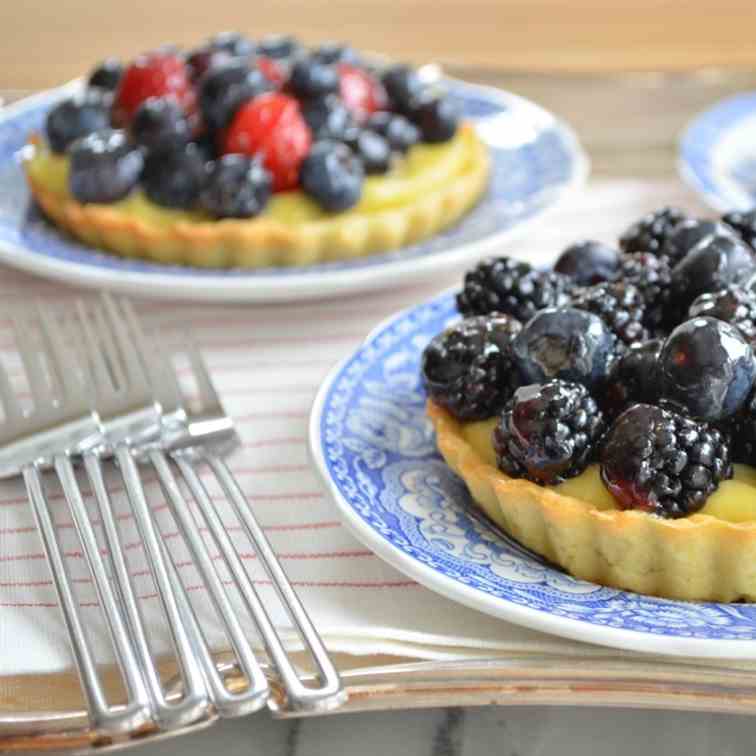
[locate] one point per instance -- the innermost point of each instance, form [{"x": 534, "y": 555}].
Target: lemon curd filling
[
  {"x": 431, "y": 187},
  {"x": 733, "y": 501}
]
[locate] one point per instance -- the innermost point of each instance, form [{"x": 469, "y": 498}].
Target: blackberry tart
[
  {"x": 333, "y": 158},
  {"x": 617, "y": 446}
]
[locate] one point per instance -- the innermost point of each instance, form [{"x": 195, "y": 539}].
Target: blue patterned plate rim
[
  {"x": 698, "y": 145},
  {"x": 551, "y": 165},
  {"x": 546, "y": 599}
]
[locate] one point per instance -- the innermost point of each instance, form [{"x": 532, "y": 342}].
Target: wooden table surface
[{"x": 49, "y": 41}]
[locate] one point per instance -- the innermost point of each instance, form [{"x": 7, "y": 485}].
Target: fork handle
[
  {"x": 105, "y": 719},
  {"x": 330, "y": 693}
]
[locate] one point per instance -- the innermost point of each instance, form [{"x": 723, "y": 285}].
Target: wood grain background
[{"x": 44, "y": 42}]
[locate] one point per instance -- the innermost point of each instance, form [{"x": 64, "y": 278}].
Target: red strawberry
[
  {"x": 271, "y": 126},
  {"x": 156, "y": 74},
  {"x": 272, "y": 71},
  {"x": 361, "y": 92}
]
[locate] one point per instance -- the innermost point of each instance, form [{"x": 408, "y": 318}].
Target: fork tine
[
  {"x": 10, "y": 405},
  {"x": 105, "y": 380},
  {"x": 62, "y": 366},
  {"x": 23, "y": 330},
  {"x": 207, "y": 392},
  {"x": 135, "y": 375}
]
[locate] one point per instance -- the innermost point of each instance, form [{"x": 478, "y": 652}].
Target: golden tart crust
[
  {"x": 696, "y": 558},
  {"x": 263, "y": 242}
]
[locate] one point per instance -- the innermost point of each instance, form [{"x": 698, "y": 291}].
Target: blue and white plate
[
  {"x": 536, "y": 161},
  {"x": 718, "y": 153},
  {"x": 376, "y": 450}
]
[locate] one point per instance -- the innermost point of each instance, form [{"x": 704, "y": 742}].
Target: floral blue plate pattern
[
  {"x": 718, "y": 153},
  {"x": 536, "y": 160},
  {"x": 376, "y": 451}
]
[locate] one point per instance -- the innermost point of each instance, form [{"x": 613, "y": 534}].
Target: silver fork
[
  {"x": 207, "y": 434},
  {"x": 62, "y": 423},
  {"x": 132, "y": 421}
]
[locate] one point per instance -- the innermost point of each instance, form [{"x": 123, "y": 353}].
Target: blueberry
[
  {"x": 225, "y": 88},
  {"x": 332, "y": 175},
  {"x": 174, "y": 178},
  {"x": 279, "y": 46},
  {"x": 75, "y": 118},
  {"x": 589, "y": 262},
  {"x": 104, "y": 167},
  {"x": 708, "y": 368},
  {"x": 687, "y": 234},
  {"x": 329, "y": 118},
  {"x": 400, "y": 132},
  {"x": 310, "y": 77},
  {"x": 335, "y": 52},
  {"x": 712, "y": 264},
  {"x": 201, "y": 60},
  {"x": 107, "y": 75},
  {"x": 404, "y": 87},
  {"x": 233, "y": 43},
  {"x": 160, "y": 123},
  {"x": 563, "y": 342},
  {"x": 437, "y": 119},
  {"x": 237, "y": 187},
  {"x": 373, "y": 150}
]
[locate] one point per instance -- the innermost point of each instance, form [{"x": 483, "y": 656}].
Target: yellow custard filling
[
  {"x": 423, "y": 169},
  {"x": 733, "y": 501}
]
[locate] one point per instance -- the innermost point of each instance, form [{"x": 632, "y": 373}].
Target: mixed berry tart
[
  {"x": 603, "y": 413},
  {"x": 255, "y": 153}
]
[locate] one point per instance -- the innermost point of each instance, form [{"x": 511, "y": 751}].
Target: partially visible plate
[
  {"x": 376, "y": 452},
  {"x": 718, "y": 153},
  {"x": 536, "y": 159}
]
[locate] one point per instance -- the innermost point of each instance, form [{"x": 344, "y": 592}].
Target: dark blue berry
[
  {"x": 734, "y": 305},
  {"x": 160, "y": 123},
  {"x": 104, "y": 167},
  {"x": 712, "y": 264},
  {"x": 225, "y": 88},
  {"x": 201, "y": 60},
  {"x": 75, "y": 118},
  {"x": 589, "y": 262},
  {"x": 437, "y": 119},
  {"x": 707, "y": 367},
  {"x": 633, "y": 377},
  {"x": 233, "y": 43},
  {"x": 175, "y": 178},
  {"x": 373, "y": 150},
  {"x": 744, "y": 225},
  {"x": 329, "y": 118},
  {"x": 310, "y": 77},
  {"x": 107, "y": 75},
  {"x": 236, "y": 187},
  {"x": 335, "y": 52},
  {"x": 686, "y": 235},
  {"x": 332, "y": 175},
  {"x": 566, "y": 343},
  {"x": 279, "y": 46},
  {"x": 404, "y": 88},
  {"x": 400, "y": 132}
]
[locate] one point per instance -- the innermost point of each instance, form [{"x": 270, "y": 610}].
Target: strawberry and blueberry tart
[
  {"x": 244, "y": 153},
  {"x": 603, "y": 413}
]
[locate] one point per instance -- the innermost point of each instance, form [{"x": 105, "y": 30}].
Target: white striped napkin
[{"x": 268, "y": 362}]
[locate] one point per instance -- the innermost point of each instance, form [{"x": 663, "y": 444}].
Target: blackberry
[
  {"x": 633, "y": 377},
  {"x": 236, "y": 186},
  {"x": 651, "y": 231},
  {"x": 662, "y": 462},
  {"x": 620, "y": 305},
  {"x": 501, "y": 284},
  {"x": 744, "y": 225},
  {"x": 174, "y": 178},
  {"x": 652, "y": 276},
  {"x": 733, "y": 304},
  {"x": 468, "y": 368},
  {"x": 547, "y": 432}
]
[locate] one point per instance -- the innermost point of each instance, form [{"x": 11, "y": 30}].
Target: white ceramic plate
[
  {"x": 376, "y": 451},
  {"x": 536, "y": 161}
]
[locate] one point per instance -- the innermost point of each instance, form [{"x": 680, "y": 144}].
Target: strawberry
[
  {"x": 272, "y": 127},
  {"x": 360, "y": 91},
  {"x": 272, "y": 71},
  {"x": 157, "y": 74}
]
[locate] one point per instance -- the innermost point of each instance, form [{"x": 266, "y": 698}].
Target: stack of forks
[{"x": 105, "y": 393}]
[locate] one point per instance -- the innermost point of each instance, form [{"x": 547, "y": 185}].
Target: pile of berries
[
  {"x": 640, "y": 358},
  {"x": 220, "y": 128}
]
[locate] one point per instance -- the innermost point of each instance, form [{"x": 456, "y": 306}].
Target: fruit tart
[
  {"x": 243, "y": 153},
  {"x": 603, "y": 413}
]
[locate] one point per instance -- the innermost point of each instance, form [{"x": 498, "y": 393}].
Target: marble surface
[{"x": 524, "y": 731}]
